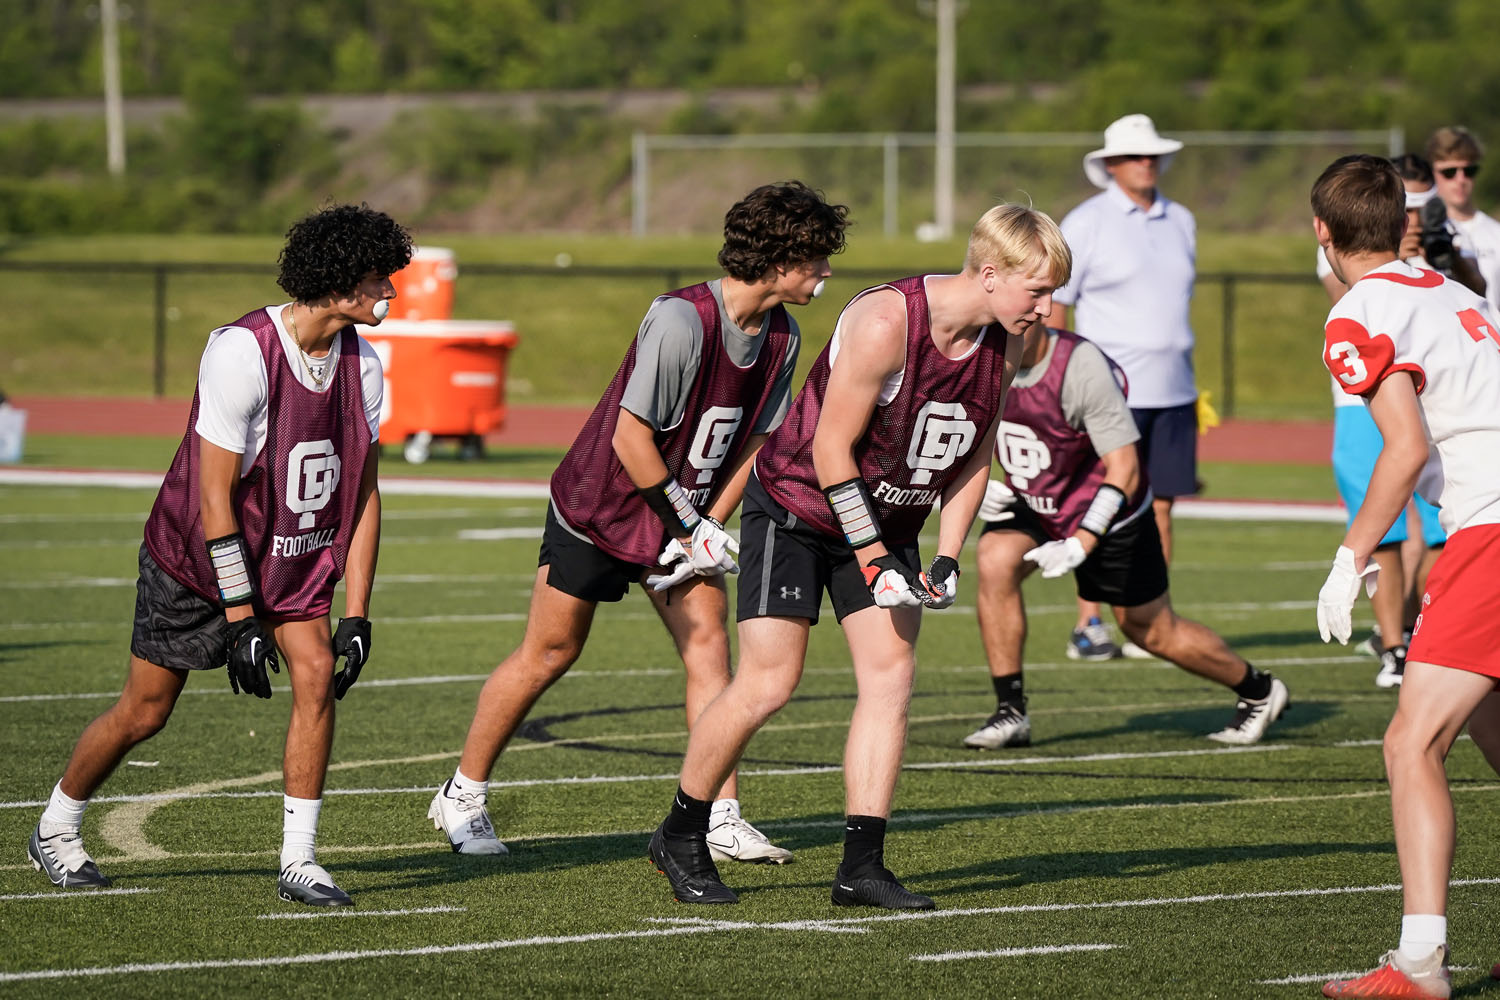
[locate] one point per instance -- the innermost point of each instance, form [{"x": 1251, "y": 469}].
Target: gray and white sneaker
[
  {"x": 466, "y": 822},
  {"x": 732, "y": 839},
  {"x": 1006, "y": 728},
  {"x": 308, "y": 882},
  {"x": 63, "y": 860},
  {"x": 1253, "y": 718},
  {"x": 1392, "y": 667}
]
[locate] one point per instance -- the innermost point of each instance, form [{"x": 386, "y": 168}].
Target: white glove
[
  {"x": 682, "y": 570},
  {"x": 998, "y": 498},
  {"x": 1057, "y": 558},
  {"x": 893, "y": 585},
  {"x": 712, "y": 549},
  {"x": 1336, "y": 599}
]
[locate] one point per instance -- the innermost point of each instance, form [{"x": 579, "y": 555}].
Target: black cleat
[
  {"x": 63, "y": 860},
  {"x": 689, "y": 868},
  {"x": 878, "y": 889}
]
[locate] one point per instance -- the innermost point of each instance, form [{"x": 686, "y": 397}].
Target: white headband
[{"x": 1416, "y": 199}]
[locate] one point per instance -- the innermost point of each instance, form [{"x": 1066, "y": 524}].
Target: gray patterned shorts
[{"x": 175, "y": 627}]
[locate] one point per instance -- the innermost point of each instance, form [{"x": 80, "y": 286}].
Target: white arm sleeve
[
  {"x": 232, "y": 388},
  {"x": 372, "y": 386}
]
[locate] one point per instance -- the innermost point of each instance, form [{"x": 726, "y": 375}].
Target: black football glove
[
  {"x": 893, "y": 584},
  {"x": 941, "y": 581},
  {"x": 251, "y": 649},
  {"x": 351, "y": 641},
  {"x": 1437, "y": 241}
]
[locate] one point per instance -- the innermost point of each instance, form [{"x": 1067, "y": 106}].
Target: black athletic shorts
[
  {"x": 1169, "y": 448},
  {"x": 786, "y": 564},
  {"x": 581, "y": 569},
  {"x": 1125, "y": 571},
  {"x": 174, "y": 627}
]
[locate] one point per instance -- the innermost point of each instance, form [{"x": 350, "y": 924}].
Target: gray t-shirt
[
  {"x": 669, "y": 348},
  {"x": 1091, "y": 398}
]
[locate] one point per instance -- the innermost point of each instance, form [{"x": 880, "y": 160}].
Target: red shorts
[{"x": 1458, "y": 625}]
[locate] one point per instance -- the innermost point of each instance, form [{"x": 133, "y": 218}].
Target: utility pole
[
  {"x": 114, "y": 113},
  {"x": 942, "y": 188}
]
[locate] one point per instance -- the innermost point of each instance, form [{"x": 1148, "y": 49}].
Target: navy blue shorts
[{"x": 1169, "y": 448}]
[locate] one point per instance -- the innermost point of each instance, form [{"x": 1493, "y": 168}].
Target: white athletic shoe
[
  {"x": 1006, "y": 728},
  {"x": 466, "y": 822},
  {"x": 1392, "y": 667},
  {"x": 732, "y": 839},
  {"x": 1253, "y": 718},
  {"x": 1131, "y": 651},
  {"x": 309, "y": 882},
  {"x": 63, "y": 860}
]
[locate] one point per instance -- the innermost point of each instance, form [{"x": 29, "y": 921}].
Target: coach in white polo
[{"x": 1133, "y": 270}]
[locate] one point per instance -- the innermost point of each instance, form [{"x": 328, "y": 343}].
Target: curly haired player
[{"x": 269, "y": 502}]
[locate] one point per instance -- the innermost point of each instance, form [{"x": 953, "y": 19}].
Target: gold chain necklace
[{"x": 319, "y": 376}]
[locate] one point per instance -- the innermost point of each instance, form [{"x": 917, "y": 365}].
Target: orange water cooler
[{"x": 444, "y": 378}]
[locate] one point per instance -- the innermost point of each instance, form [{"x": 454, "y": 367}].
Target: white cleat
[
  {"x": 466, "y": 822},
  {"x": 732, "y": 839},
  {"x": 1253, "y": 718},
  {"x": 63, "y": 860},
  {"x": 1006, "y": 728},
  {"x": 309, "y": 882}
]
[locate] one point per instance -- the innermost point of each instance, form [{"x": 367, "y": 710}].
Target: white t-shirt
[
  {"x": 233, "y": 386},
  {"x": 1480, "y": 238},
  {"x": 1403, "y": 318}
]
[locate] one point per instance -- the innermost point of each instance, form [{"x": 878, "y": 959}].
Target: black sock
[
  {"x": 1255, "y": 687},
  {"x": 689, "y": 816},
  {"x": 1010, "y": 691},
  {"x": 864, "y": 845}
]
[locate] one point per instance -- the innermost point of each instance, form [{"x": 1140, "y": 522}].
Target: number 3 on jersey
[{"x": 1345, "y": 355}]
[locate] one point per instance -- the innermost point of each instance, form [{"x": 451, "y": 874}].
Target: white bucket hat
[{"x": 1131, "y": 135}]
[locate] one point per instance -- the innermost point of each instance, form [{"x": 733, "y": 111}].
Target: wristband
[
  {"x": 854, "y": 510},
  {"x": 231, "y": 564},
  {"x": 669, "y": 501},
  {"x": 1101, "y": 513}
]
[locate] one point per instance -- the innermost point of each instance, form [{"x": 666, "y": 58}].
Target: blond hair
[{"x": 1018, "y": 238}]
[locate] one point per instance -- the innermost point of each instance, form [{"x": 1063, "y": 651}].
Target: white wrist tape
[
  {"x": 855, "y": 512},
  {"x": 232, "y": 568},
  {"x": 669, "y": 501},
  {"x": 1101, "y": 513}
]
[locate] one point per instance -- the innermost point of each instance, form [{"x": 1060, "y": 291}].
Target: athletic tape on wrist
[
  {"x": 854, "y": 510},
  {"x": 1101, "y": 513},
  {"x": 669, "y": 501},
  {"x": 232, "y": 568}
]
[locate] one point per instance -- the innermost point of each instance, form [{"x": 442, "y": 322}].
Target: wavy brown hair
[
  {"x": 1361, "y": 200},
  {"x": 787, "y": 223}
]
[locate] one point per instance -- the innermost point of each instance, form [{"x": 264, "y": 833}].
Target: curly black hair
[
  {"x": 330, "y": 252},
  {"x": 787, "y": 223}
]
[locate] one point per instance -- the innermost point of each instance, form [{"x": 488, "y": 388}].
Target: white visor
[{"x": 1416, "y": 199}]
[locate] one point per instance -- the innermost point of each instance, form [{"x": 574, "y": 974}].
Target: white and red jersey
[{"x": 1402, "y": 318}]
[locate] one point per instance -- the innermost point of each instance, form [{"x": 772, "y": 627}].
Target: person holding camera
[{"x": 1455, "y": 155}]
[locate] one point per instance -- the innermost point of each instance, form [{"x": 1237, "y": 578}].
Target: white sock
[
  {"x": 1421, "y": 933},
  {"x": 721, "y": 807},
  {"x": 63, "y": 814},
  {"x": 299, "y": 829},
  {"x": 462, "y": 784}
]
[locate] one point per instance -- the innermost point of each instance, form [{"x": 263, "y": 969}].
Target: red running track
[{"x": 1290, "y": 442}]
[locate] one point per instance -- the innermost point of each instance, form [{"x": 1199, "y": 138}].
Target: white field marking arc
[
  {"x": 897, "y": 818},
  {"x": 19, "y": 897},
  {"x": 125, "y": 827},
  {"x": 1209, "y": 510},
  {"x": 1041, "y": 949},
  {"x": 341, "y": 912},
  {"x": 674, "y": 927},
  {"x": 219, "y": 789}
]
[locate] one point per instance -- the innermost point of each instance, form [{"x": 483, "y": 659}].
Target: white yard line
[
  {"x": 340, "y": 911},
  {"x": 70, "y": 894},
  {"x": 1323, "y": 977},
  {"x": 1041, "y": 949}
]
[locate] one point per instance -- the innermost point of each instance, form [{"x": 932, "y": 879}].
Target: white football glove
[
  {"x": 894, "y": 585},
  {"x": 1336, "y": 599},
  {"x": 942, "y": 582},
  {"x": 682, "y": 568},
  {"x": 1057, "y": 558},
  {"x": 712, "y": 549},
  {"x": 997, "y": 502}
]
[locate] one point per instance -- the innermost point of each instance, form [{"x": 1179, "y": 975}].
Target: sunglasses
[{"x": 1448, "y": 173}]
